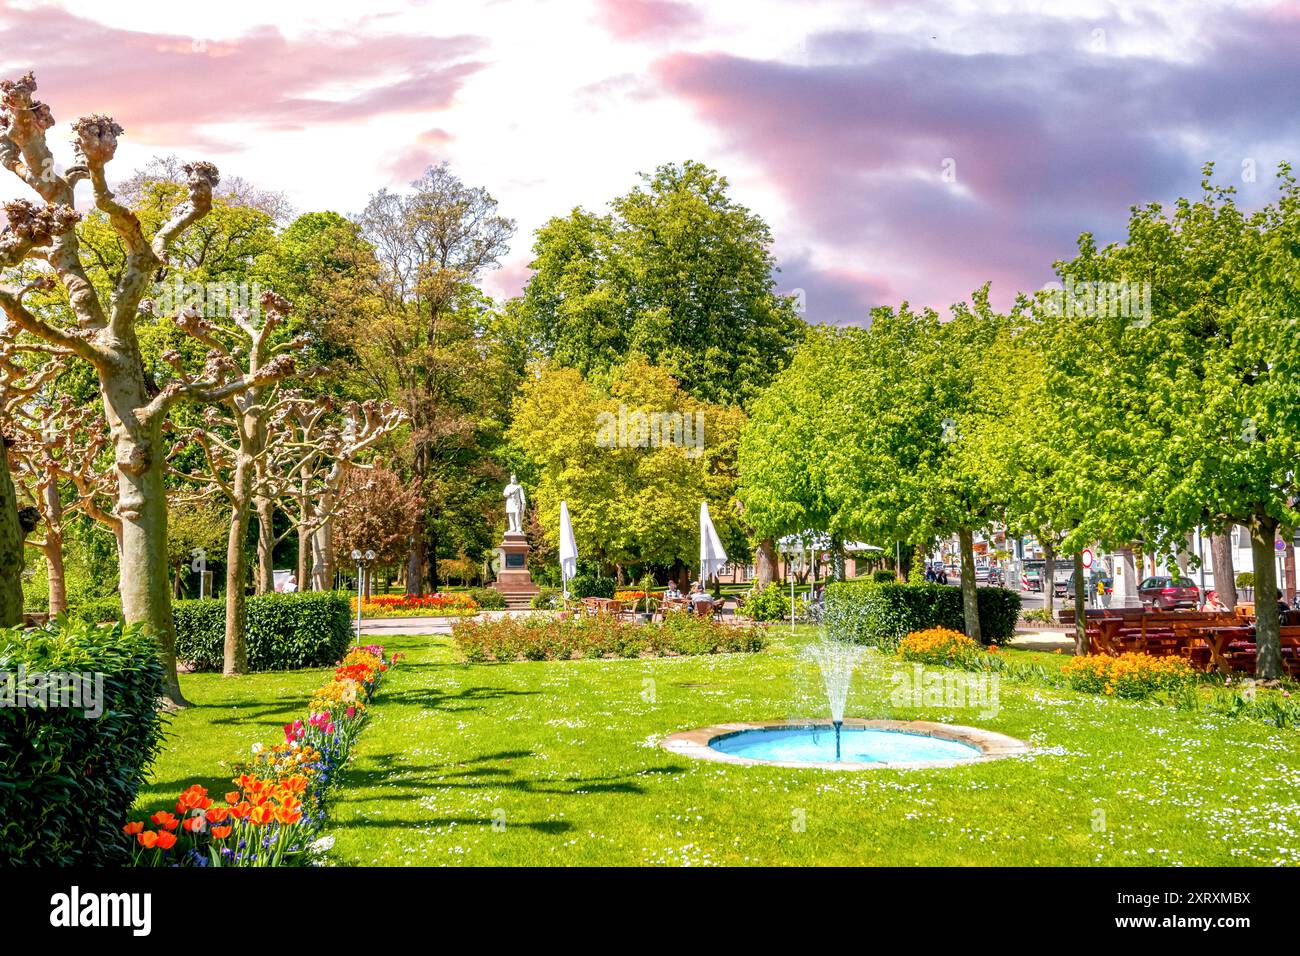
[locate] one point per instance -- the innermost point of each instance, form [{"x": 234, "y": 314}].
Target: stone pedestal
[{"x": 513, "y": 579}]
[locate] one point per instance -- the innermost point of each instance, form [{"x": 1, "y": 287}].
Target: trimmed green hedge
[
  {"x": 69, "y": 778},
  {"x": 880, "y": 615},
  {"x": 283, "y": 631}
]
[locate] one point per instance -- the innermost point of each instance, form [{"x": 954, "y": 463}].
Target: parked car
[
  {"x": 1169, "y": 593},
  {"x": 1065, "y": 586}
]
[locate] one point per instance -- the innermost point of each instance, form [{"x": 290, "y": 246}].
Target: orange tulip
[
  {"x": 232, "y": 797},
  {"x": 147, "y": 839},
  {"x": 166, "y": 840},
  {"x": 194, "y": 824},
  {"x": 217, "y": 814},
  {"x": 242, "y": 810},
  {"x": 131, "y": 829},
  {"x": 288, "y": 817},
  {"x": 220, "y": 833},
  {"x": 260, "y": 815}
]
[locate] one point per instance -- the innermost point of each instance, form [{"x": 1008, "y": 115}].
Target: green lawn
[{"x": 555, "y": 763}]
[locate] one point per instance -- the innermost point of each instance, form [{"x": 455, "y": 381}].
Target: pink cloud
[
  {"x": 165, "y": 88},
  {"x": 639, "y": 19}
]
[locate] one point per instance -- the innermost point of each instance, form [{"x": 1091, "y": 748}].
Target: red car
[{"x": 1168, "y": 594}]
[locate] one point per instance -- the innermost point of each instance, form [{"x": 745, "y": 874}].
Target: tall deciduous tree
[
  {"x": 429, "y": 346},
  {"x": 247, "y": 352},
  {"x": 678, "y": 272}
]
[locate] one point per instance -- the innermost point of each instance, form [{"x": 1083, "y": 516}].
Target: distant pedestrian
[{"x": 291, "y": 585}]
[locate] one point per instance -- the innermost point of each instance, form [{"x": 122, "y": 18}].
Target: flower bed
[
  {"x": 543, "y": 637},
  {"x": 416, "y": 605},
  {"x": 943, "y": 646},
  {"x": 1133, "y": 676},
  {"x": 275, "y": 814}
]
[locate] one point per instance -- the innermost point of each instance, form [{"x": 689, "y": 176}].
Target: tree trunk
[
  {"x": 144, "y": 577},
  {"x": 1268, "y": 637},
  {"x": 969, "y": 597},
  {"x": 1225, "y": 578},
  {"x": 415, "y": 564},
  {"x": 11, "y": 547},
  {"x": 1080, "y": 607},
  {"x": 236, "y": 651},
  {"x": 265, "y": 545},
  {"x": 1288, "y": 566},
  {"x": 53, "y": 550},
  {"x": 431, "y": 560},
  {"x": 305, "y": 579},
  {"x": 1049, "y": 574},
  {"x": 837, "y": 559},
  {"x": 766, "y": 570}
]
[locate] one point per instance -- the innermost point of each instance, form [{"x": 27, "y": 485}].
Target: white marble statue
[{"x": 515, "y": 505}]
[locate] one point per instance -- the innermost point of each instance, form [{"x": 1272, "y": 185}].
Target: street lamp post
[{"x": 363, "y": 561}]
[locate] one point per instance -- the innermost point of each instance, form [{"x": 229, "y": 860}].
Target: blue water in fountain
[{"x": 817, "y": 745}]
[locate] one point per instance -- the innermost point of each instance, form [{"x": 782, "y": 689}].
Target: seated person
[
  {"x": 698, "y": 593},
  {"x": 672, "y": 593},
  {"x": 1212, "y": 602}
]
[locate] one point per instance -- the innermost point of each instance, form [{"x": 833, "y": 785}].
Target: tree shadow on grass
[
  {"x": 549, "y": 827},
  {"x": 401, "y": 781},
  {"x": 467, "y": 698}
]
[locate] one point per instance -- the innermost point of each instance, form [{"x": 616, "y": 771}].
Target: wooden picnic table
[{"x": 1217, "y": 640}]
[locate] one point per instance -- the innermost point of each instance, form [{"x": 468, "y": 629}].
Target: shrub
[
  {"x": 1246, "y": 579},
  {"x": 880, "y": 615},
  {"x": 942, "y": 646},
  {"x": 282, "y": 631},
  {"x": 68, "y": 779},
  {"x": 1133, "y": 676},
  {"x": 769, "y": 604},
  {"x": 1038, "y": 615},
  {"x": 586, "y": 584},
  {"x": 489, "y": 599},
  {"x": 542, "y": 637},
  {"x": 103, "y": 610},
  {"x": 881, "y": 576},
  {"x": 546, "y": 599}
]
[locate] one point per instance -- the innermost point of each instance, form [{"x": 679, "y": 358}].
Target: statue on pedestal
[{"x": 515, "y": 505}]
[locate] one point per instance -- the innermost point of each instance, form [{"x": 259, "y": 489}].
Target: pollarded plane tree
[
  {"x": 237, "y": 468},
  {"x": 58, "y": 465},
  {"x": 102, "y": 330},
  {"x": 20, "y": 381},
  {"x": 310, "y": 463}
]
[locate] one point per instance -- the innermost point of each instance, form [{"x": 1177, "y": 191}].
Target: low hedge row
[
  {"x": 69, "y": 774},
  {"x": 544, "y": 637},
  {"x": 283, "y": 631},
  {"x": 880, "y": 614}
]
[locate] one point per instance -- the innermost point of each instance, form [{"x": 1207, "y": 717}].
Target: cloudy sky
[{"x": 899, "y": 150}]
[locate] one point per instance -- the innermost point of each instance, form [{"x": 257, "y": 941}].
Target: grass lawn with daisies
[{"x": 556, "y": 763}]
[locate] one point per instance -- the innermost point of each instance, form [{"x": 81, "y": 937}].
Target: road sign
[{"x": 1087, "y": 557}]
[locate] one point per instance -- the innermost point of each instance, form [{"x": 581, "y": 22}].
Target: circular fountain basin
[{"x": 864, "y": 744}]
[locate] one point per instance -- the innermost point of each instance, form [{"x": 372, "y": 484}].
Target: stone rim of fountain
[{"x": 991, "y": 745}]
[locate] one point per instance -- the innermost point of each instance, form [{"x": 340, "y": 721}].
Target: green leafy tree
[
  {"x": 677, "y": 272},
  {"x": 1202, "y": 396}
]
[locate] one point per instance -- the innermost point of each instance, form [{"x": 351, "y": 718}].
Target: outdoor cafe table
[{"x": 1218, "y": 639}]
